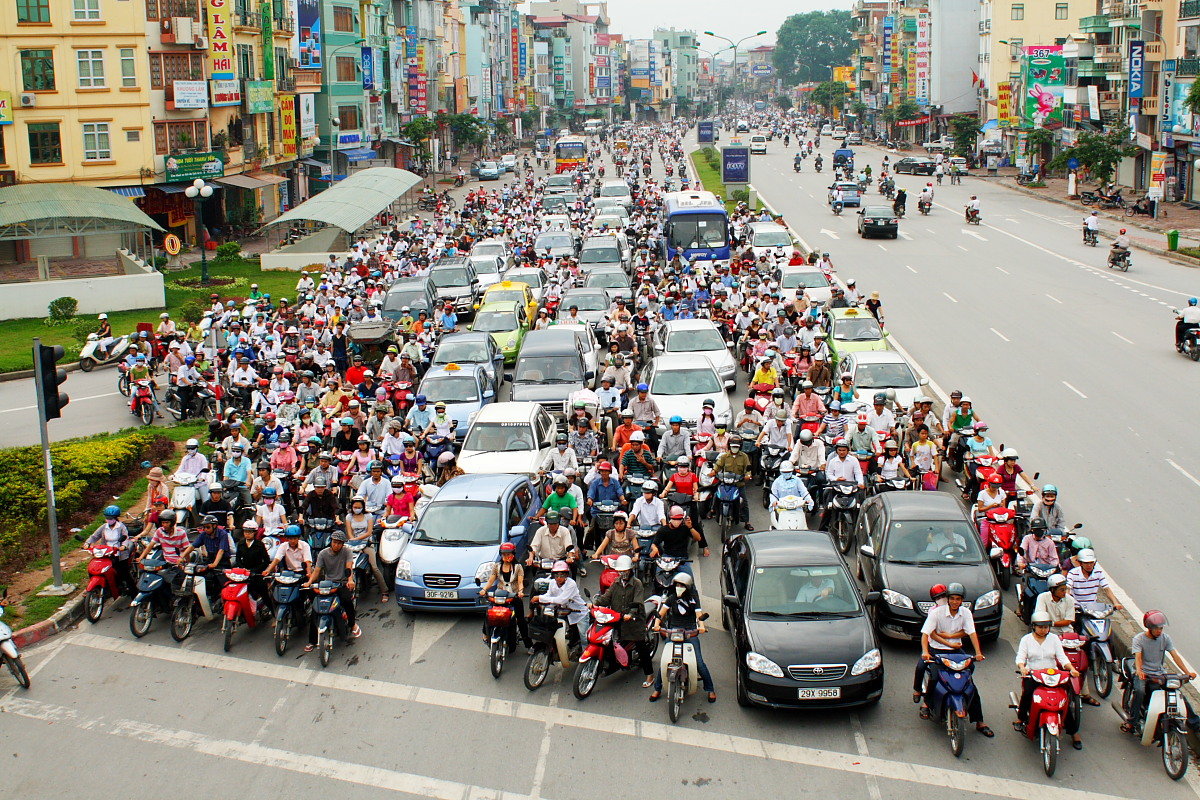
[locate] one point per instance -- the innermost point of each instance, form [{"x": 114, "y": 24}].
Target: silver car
[{"x": 697, "y": 337}]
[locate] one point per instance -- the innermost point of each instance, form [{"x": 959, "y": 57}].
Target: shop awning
[
  {"x": 128, "y": 191},
  {"x": 312, "y": 162},
  {"x": 360, "y": 154},
  {"x": 171, "y": 188},
  {"x": 44, "y": 210},
  {"x": 354, "y": 202},
  {"x": 267, "y": 177},
  {"x": 241, "y": 182},
  {"x": 401, "y": 142}
]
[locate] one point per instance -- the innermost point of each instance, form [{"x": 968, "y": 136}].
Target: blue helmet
[
  {"x": 112, "y": 512},
  {"x": 291, "y": 530},
  {"x": 1192, "y": 301},
  {"x": 421, "y": 399},
  {"x": 641, "y": 387},
  {"x": 190, "y": 360},
  {"x": 1049, "y": 488},
  {"x": 676, "y": 419},
  {"x": 269, "y": 492}
]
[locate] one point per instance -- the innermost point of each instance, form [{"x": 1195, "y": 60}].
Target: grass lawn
[{"x": 15, "y": 345}]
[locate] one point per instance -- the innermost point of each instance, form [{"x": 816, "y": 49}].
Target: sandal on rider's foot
[
  {"x": 383, "y": 598},
  {"x": 917, "y": 697},
  {"x": 356, "y": 632},
  {"x": 646, "y": 684},
  {"x": 1089, "y": 700},
  {"x": 985, "y": 730},
  {"x": 1018, "y": 726},
  {"x": 924, "y": 713},
  {"x": 654, "y": 696},
  {"x": 712, "y": 697},
  {"x": 749, "y": 527},
  {"x": 1126, "y": 727},
  {"x": 308, "y": 648},
  {"x": 1077, "y": 745}
]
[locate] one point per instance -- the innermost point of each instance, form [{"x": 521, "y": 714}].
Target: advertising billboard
[
  {"x": 220, "y": 40},
  {"x": 308, "y": 24},
  {"x": 735, "y": 165},
  {"x": 704, "y": 132},
  {"x": 1045, "y": 72}
]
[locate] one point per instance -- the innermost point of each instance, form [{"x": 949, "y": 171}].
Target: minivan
[
  {"x": 602, "y": 250},
  {"x": 550, "y": 368},
  {"x": 455, "y": 281},
  {"x": 416, "y": 294}
]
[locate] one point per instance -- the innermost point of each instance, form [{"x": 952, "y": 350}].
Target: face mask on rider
[{"x": 680, "y": 590}]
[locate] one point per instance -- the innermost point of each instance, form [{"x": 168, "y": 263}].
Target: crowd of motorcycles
[{"x": 185, "y": 595}]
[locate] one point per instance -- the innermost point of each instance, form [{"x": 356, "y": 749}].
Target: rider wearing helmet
[
  {"x": 1036, "y": 546},
  {"x": 681, "y": 610},
  {"x": 113, "y": 533},
  {"x": 625, "y": 597},
  {"x": 1150, "y": 649},
  {"x": 252, "y": 554},
  {"x": 560, "y": 458},
  {"x": 789, "y": 484},
  {"x": 448, "y": 468},
  {"x": 1040, "y": 649},
  {"x": 676, "y": 442},
  {"x": 509, "y": 576},
  {"x": 1058, "y": 604},
  {"x": 563, "y": 591},
  {"x": 674, "y": 538},
  {"x": 1049, "y": 511},
  {"x": 1188, "y": 319},
  {"x": 1086, "y": 579},
  {"x": 943, "y": 632}
]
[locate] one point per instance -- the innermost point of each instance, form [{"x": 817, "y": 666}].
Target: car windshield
[
  {"x": 933, "y": 542},
  {"x": 459, "y": 523},
  {"x": 586, "y": 302},
  {"x": 549, "y": 369},
  {"x": 554, "y": 201},
  {"x": 488, "y": 165},
  {"x": 694, "y": 340},
  {"x": 772, "y": 239},
  {"x": 611, "y": 220},
  {"x": 551, "y": 240},
  {"x": 500, "y": 437},
  {"x": 451, "y": 389},
  {"x": 446, "y": 277},
  {"x": 413, "y": 299},
  {"x": 856, "y": 329},
  {"x": 608, "y": 280},
  {"x": 500, "y": 295},
  {"x": 808, "y": 280},
  {"x": 488, "y": 249},
  {"x": 685, "y": 381},
  {"x": 878, "y": 211},
  {"x": 802, "y": 592},
  {"x": 535, "y": 279},
  {"x": 461, "y": 352},
  {"x": 698, "y": 230},
  {"x": 559, "y": 180},
  {"x": 600, "y": 255},
  {"x": 616, "y": 190},
  {"x": 486, "y": 266},
  {"x": 495, "y": 321},
  {"x": 884, "y": 376}
]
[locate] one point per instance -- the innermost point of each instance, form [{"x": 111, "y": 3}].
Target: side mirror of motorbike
[
  {"x": 732, "y": 600},
  {"x": 515, "y": 532},
  {"x": 867, "y": 551},
  {"x": 873, "y": 597},
  {"x": 508, "y": 376},
  {"x": 1077, "y": 526},
  {"x": 488, "y": 394}
]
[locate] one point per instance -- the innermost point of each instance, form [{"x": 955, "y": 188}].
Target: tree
[
  {"x": 858, "y": 108},
  {"x": 1192, "y": 101},
  {"x": 1099, "y": 153},
  {"x": 964, "y": 129},
  {"x": 1040, "y": 142},
  {"x": 905, "y": 109},
  {"x": 806, "y": 43},
  {"x": 784, "y": 102},
  {"x": 829, "y": 95}
]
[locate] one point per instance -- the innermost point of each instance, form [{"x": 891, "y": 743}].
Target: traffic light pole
[{"x": 58, "y": 587}]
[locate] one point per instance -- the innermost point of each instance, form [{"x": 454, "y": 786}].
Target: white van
[{"x": 593, "y": 127}]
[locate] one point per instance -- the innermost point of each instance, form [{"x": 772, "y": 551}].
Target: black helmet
[
  {"x": 880, "y": 398},
  {"x": 207, "y": 519},
  {"x": 1037, "y": 524},
  {"x": 167, "y": 516},
  {"x": 956, "y": 589},
  {"x": 560, "y": 438}
]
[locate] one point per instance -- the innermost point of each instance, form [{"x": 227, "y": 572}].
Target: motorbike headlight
[
  {"x": 392, "y": 534},
  {"x": 896, "y": 599},
  {"x": 403, "y": 570},
  {"x": 987, "y": 600},
  {"x": 871, "y": 659},
  {"x": 763, "y": 665},
  {"x": 512, "y": 342},
  {"x": 484, "y": 570}
]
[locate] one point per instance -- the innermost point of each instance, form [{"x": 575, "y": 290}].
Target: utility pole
[{"x": 50, "y": 401}]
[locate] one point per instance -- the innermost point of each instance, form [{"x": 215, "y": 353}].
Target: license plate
[
  {"x": 441, "y": 594},
  {"x": 832, "y": 693}
]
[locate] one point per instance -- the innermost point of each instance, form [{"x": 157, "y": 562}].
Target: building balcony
[
  {"x": 1108, "y": 53},
  {"x": 306, "y": 80},
  {"x": 1090, "y": 69},
  {"x": 284, "y": 26},
  {"x": 1150, "y": 106},
  {"x": 1095, "y": 24},
  {"x": 1156, "y": 51},
  {"x": 247, "y": 20},
  {"x": 1189, "y": 9},
  {"x": 1187, "y": 67}
]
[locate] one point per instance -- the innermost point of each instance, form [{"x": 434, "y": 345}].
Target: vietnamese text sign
[
  {"x": 225, "y": 93},
  {"x": 220, "y": 42},
  {"x": 260, "y": 97},
  {"x": 287, "y": 124},
  {"x": 190, "y": 94},
  {"x": 189, "y": 166}
]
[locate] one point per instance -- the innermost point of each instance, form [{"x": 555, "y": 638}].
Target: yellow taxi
[{"x": 516, "y": 291}]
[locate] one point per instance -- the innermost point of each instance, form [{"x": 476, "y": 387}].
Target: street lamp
[
  {"x": 734, "y": 46},
  {"x": 200, "y": 191}
]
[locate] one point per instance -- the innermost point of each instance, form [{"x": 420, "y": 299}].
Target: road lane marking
[
  {"x": 798, "y": 755},
  {"x": 1001, "y": 335},
  {"x": 1122, "y": 338},
  {"x": 910, "y": 269},
  {"x": 829, "y": 233},
  {"x": 960, "y": 247},
  {"x": 1055, "y": 299},
  {"x": 881, "y": 247},
  {"x": 73, "y": 400},
  {"x": 1184, "y": 472},
  {"x": 427, "y": 630},
  {"x": 256, "y": 754},
  {"x": 976, "y": 235},
  {"x": 948, "y": 297},
  {"x": 906, "y": 236},
  {"x": 1002, "y": 269},
  {"x": 539, "y": 771},
  {"x": 1073, "y": 389},
  {"x": 860, "y": 744}
]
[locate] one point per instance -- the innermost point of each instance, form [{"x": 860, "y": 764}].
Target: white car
[
  {"x": 509, "y": 162},
  {"x": 507, "y": 437},
  {"x": 881, "y": 370},
  {"x": 811, "y": 279},
  {"x": 839, "y": 132},
  {"x": 534, "y": 276},
  {"x": 758, "y": 145},
  {"x": 679, "y": 385},
  {"x": 697, "y": 337}
]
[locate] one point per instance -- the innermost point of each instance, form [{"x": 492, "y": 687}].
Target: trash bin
[{"x": 1172, "y": 240}]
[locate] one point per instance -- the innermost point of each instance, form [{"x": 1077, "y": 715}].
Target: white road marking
[
  {"x": 539, "y": 770},
  {"x": 73, "y": 400},
  {"x": 860, "y": 744},
  {"x": 1002, "y": 269},
  {"x": 948, "y": 297},
  {"x": 1001, "y": 335},
  {"x": 1073, "y": 389},
  {"x": 976, "y": 235},
  {"x": 1122, "y": 338},
  {"x": 881, "y": 247},
  {"x": 960, "y": 247},
  {"x": 830, "y": 233},
  {"x": 904, "y": 235},
  {"x": 931, "y": 230},
  {"x": 1055, "y": 299},
  {"x": 910, "y": 269},
  {"x": 256, "y": 754},
  {"x": 427, "y": 629},
  {"x": 960, "y": 780},
  {"x": 1184, "y": 472}
]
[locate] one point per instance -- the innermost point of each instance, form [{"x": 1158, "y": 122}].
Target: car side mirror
[
  {"x": 867, "y": 551},
  {"x": 478, "y": 582},
  {"x": 886, "y": 334},
  {"x": 488, "y": 394},
  {"x": 873, "y": 597},
  {"x": 515, "y": 532},
  {"x": 859, "y": 212},
  {"x": 732, "y": 601},
  {"x": 730, "y": 384},
  {"x": 587, "y": 376},
  {"x": 508, "y": 376}
]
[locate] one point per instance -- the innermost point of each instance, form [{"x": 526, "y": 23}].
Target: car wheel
[
  {"x": 743, "y": 697},
  {"x": 895, "y": 234}
]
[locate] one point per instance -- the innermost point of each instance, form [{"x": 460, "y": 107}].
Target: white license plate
[
  {"x": 441, "y": 594},
  {"x": 821, "y": 694}
]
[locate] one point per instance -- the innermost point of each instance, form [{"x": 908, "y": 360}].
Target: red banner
[{"x": 908, "y": 123}]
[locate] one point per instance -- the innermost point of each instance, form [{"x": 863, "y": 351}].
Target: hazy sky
[{"x": 639, "y": 18}]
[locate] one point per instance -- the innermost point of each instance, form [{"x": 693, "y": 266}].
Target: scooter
[
  {"x": 1119, "y": 259},
  {"x": 191, "y": 600},
  {"x": 603, "y": 654},
  {"x": 318, "y": 530},
  {"x": 102, "y": 581},
  {"x": 1096, "y": 625},
  {"x": 923, "y": 206},
  {"x": 12, "y": 657},
  {"x": 664, "y": 569},
  {"x": 153, "y": 595},
  {"x": 289, "y": 607},
  {"x": 1047, "y": 712},
  {"x": 840, "y": 513},
  {"x": 1165, "y": 721},
  {"x": 973, "y": 216},
  {"x": 1003, "y": 552},
  {"x": 551, "y": 634},
  {"x": 1190, "y": 346},
  {"x": 184, "y": 496},
  {"x": 1091, "y": 236},
  {"x": 141, "y": 403},
  {"x": 500, "y": 629},
  {"x": 729, "y": 502},
  {"x": 837, "y": 208},
  {"x": 949, "y": 689},
  {"x": 331, "y": 618},
  {"x": 769, "y": 459},
  {"x": 1075, "y": 646},
  {"x": 789, "y": 513},
  {"x": 795, "y": 166},
  {"x": 1035, "y": 580},
  {"x": 677, "y": 666},
  {"x": 91, "y": 356},
  {"x": 238, "y": 605}
]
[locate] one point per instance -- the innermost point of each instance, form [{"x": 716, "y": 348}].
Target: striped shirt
[
  {"x": 1085, "y": 588},
  {"x": 835, "y": 426},
  {"x": 173, "y": 543}
]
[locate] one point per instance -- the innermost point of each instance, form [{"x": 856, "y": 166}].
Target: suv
[
  {"x": 455, "y": 281},
  {"x": 601, "y": 251},
  {"x": 617, "y": 189},
  {"x": 758, "y": 145},
  {"x": 457, "y": 539},
  {"x": 770, "y": 237},
  {"x": 914, "y": 165},
  {"x": 415, "y": 294},
  {"x": 550, "y": 368}
]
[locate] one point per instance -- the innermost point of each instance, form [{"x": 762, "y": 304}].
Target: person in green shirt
[
  {"x": 562, "y": 501},
  {"x": 140, "y": 371}
]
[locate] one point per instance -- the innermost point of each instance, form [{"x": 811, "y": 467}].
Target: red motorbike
[
  {"x": 985, "y": 467},
  {"x": 141, "y": 401},
  {"x": 1002, "y": 521},
  {"x": 603, "y": 653},
  {"x": 102, "y": 581},
  {"x": 608, "y": 575},
  {"x": 400, "y": 393},
  {"x": 238, "y": 606},
  {"x": 1047, "y": 713},
  {"x": 1076, "y": 648},
  {"x": 760, "y": 393}
]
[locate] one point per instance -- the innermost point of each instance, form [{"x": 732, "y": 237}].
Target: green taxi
[
  {"x": 507, "y": 322},
  {"x": 854, "y": 330}
]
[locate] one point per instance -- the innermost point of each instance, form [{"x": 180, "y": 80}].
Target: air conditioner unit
[
  {"x": 28, "y": 100},
  {"x": 184, "y": 30},
  {"x": 201, "y": 43}
]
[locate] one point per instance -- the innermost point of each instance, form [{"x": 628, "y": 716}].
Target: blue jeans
[{"x": 701, "y": 667}]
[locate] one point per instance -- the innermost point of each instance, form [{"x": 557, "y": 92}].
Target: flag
[{"x": 975, "y": 78}]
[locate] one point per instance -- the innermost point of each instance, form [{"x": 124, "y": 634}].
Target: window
[
  {"x": 95, "y": 142},
  {"x": 45, "y": 146},
  {"x": 1061, "y": 10},
  {"x": 91, "y": 68},
  {"x": 180, "y": 135},
  {"x": 165, "y": 9},
  {"x": 343, "y": 19},
  {"x": 33, "y": 10},
  {"x": 86, "y": 9},
  {"x": 37, "y": 70},
  {"x": 128, "y": 67},
  {"x": 1018, "y": 11},
  {"x": 245, "y": 59},
  {"x": 166, "y": 68},
  {"x": 345, "y": 69},
  {"x": 1016, "y": 47},
  {"x": 348, "y": 118}
]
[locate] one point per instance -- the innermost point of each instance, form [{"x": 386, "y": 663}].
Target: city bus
[
  {"x": 695, "y": 223},
  {"x": 570, "y": 152}
]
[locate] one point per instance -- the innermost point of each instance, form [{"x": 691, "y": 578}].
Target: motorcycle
[
  {"x": 331, "y": 618},
  {"x": 677, "y": 666},
  {"x": 1075, "y": 646},
  {"x": 664, "y": 570},
  {"x": 817, "y": 165},
  {"x": 238, "y": 606},
  {"x": 840, "y": 512},
  {"x": 91, "y": 356},
  {"x": 729, "y": 502},
  {"x": 769, "y": 459},
  {"x": 1165, "y": 721},
  {"x": 837, "y": 208},
  {"x": 923, "y": 206},
  {"x": 500, "y": 629},
  {"x": 123, "y": 379},
  {"x": 1003, "y": 551},
  {"x": 1096, "y": 626},
  {"x": 12, "y": 657},
  {"x": 1047, "y": 712},
  {"x": 141, "y": 403},
  {"x": 795, "y": 166},
  {"x": 1035, "y": 579},
  {"x": 1091, "y": 236},
  {"x": 789, "y": 513},
  {"x": 551, "y": 634},
  {"x": 949, "y": 689},
  {"x": 973, "y": 216},
  {"x": 289, "y": 607},
  {"x": 184, "y": 496},
  {"x": 102, "y": 581},
  {"x": 1120, "y": 259},
  {"x": 1190, "y": 346},
  {"x": 191, "y": 600},
  {"x": 603, "y": 654},
  {"x": 153, "y": 595}
]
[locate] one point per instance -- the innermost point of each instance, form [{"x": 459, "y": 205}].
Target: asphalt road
[
  {"x": 96, "y": 407},
  {"x": 1069, "y": 362}
]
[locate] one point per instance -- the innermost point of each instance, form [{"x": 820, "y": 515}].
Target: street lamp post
[
  {"x": 200, "y": 191},
  {"x": 734, "y": 46}
]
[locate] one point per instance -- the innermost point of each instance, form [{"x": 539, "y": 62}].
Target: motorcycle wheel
[
  {"x": 1101, "y": 677},
  {"x": 675, "y": 693},
  {"x": 230, "y": 628},
  {"x": 182, "y": 620},
  {"x": 87, "y": 364},
  {"x": 140, "y": 619},
  {"x": 283, "y": 627},
  {"x": 17, "y": 667},
  {"x": 1049, "y": 747},
  {"x": 173, "y": 408},
  {"x": 954, "y": 728},
  {"x": 94, "y": 604},
  {"x": 123, "y": 384},
  {"x": 1194, "y": 352},
  {"x": 1124, "y": 265},
  {"x": 536, "y": 668},
  {"x": 496, "y": 657},
  {"x": 585, "y": 678},
  {"x": 325, "y": 647},
  {"x": 1004, "y": 575},
  {"x": 726, "y": 524},
  {"x": 146, "y": 412},
  {"x": 841, "y": 534},
  {"x": 1174, "y": 749},
  {"x": 1087, "y": 200}
]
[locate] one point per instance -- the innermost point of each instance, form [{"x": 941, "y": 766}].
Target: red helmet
[
  {"x": 995, "y": 479},
  {"x": 1154, "y": 619},
  {"x": 604, "y": 465},
  {"x": 508, "y": 547},
  {"x": 937, "y": 591},
  {"x": 750, "y": 404}
]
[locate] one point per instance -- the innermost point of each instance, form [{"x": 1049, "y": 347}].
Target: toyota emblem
[{"x": 818, "y": 670}]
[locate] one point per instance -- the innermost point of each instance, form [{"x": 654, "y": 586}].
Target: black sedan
[
  {"x": 913, "y": 540},
  {"x": 878, "y": 221},
  {"x": 914, "y": 165},
  {"x": 801, "y": 633}
]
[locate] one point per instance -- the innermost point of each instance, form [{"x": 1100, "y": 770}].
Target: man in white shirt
[{"x": 943, "y": 632}]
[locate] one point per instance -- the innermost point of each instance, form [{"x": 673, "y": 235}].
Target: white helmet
[
  {"x": 787, "y": 466},
  {"x": 682, "y": 577},
  {"x": 1086, "y": 556},
  {"x": 1008, "y": 452},
  {"x": 650, "y": 486},
  {"x": 623, "y": 564},
  {"x": 102, "y": 316},
  {"x": 191, "y": 443},
  {"x": 1056, "y": 580},
  {"x": 1040, "y": 618},
  {"x": 637, "y": 436}
]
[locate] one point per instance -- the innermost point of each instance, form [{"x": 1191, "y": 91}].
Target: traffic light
[{"x": 49, "y": 379}]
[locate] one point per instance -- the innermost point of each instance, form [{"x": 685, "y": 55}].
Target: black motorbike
[
  {"x": 290, "y": 613},
  {"x": 840, "y": 513},
  {"x": 1119, "y": 259},
  {"x": 1091, "y": 237}
]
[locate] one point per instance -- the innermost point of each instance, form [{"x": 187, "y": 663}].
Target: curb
[
  {"x": 22, "y": 374},
  {"x": 66, "y": 617}
]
